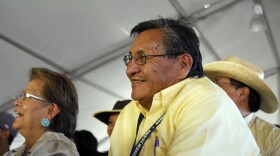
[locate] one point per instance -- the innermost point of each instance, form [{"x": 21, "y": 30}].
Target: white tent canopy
[{"x": 88, "y": 39}]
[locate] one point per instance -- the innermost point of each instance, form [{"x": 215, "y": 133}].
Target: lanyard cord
[
  {"x": 137, "y": 148},
  {"x": 140, "y": 118}
]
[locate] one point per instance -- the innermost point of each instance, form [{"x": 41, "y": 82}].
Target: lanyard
[{"x": 137, "y": 148}]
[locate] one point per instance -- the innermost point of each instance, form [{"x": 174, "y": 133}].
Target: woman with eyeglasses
[{"x": 46, "y": 115}]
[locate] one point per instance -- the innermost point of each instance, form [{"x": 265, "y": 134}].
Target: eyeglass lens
[{"x": 138, "y": 58}]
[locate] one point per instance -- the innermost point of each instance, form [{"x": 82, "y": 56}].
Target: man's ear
[
  {"x": 186, "y": 62},
  {"x": 243, "y": 93},
  {"x": 53, "y": 110}
]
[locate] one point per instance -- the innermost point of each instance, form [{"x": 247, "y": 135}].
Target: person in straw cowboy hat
[{"x": 243, "y": 82}]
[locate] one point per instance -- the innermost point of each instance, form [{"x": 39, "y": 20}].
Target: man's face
[
  {"x": 240, "y": 96},
  {"x": 230, "y": 89},
  {"x": 111, "y": 123},
  {"x": 156, "y": 74}
]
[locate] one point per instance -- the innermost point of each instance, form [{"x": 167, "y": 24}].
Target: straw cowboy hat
[
  {"x": 103, "y": 116},
  {"x": 247, "y": 73}
]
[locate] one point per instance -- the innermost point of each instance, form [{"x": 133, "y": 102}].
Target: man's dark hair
[
  {"x": 254, "y": 97},
  {"x": 178, "y": 38}
]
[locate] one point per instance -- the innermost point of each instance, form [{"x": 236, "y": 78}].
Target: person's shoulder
[
  {"x": 265, "y": 129},
  {"x": 203, "y": 85},
  {"x": 264, "y": 125},
  {"x": 59, "y": 139},
  {"x": 55, "y": 136},
  {"x": 203, "y": 89},
  {"x": 57, "y": 143}
]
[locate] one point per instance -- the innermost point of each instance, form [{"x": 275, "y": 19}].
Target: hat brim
[
  {"x": 103, "y": 116},
  {"x": 269, "y": 102}
]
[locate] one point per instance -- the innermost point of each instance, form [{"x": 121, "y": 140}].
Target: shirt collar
[
  {"x": 249, "y": 118},
  {"x": 163, "y": 99}
]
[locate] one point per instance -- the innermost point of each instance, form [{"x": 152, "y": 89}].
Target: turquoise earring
[{"x": 45, "y": 122}]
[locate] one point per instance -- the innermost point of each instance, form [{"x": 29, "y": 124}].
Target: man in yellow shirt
[
  {"x": 175, "y": 111},
  {"x": 243, "y": 82}
]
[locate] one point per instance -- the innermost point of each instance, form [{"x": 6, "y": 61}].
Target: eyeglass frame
[
  {"x": 128, "y": 58},
  {"x": 235, "y": 83},
  {"x": 22, "y": 96},
  {"x": 219, "y": 82}
]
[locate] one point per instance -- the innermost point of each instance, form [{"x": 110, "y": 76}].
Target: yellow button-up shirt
[{"x": 200, "y": 120}]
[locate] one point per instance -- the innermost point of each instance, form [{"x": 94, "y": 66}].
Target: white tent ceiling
[{"x": 87, "y": 40}]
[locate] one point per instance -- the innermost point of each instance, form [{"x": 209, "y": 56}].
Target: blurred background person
[
  {"x": 86, "y": 143},
  {"x": 46, "y": 115},
  {"x": 243, "y": 82},
  {"x": 109, "y": 117},
  {"x": 7, "y": 133}
]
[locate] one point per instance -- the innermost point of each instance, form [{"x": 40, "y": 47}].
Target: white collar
[{"x": 248, "y": 118}]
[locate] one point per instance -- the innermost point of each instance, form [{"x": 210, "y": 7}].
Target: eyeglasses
[
  {"x": 22, "y": 96},
  {"x": 140, "y": 58}
]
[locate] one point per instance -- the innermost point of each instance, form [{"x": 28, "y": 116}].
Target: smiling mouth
[
  {"x": 18, "y": 114},
  {"x": 137, "y": 81}
]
